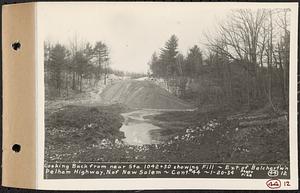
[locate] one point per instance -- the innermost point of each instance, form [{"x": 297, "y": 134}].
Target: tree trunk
[{"x": 73, "y": 81}]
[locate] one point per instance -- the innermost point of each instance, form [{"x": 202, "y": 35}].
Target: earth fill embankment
[{"x": 142, "y": 94}]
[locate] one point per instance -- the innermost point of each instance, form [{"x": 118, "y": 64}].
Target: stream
[{"x": 137, "y": 129}]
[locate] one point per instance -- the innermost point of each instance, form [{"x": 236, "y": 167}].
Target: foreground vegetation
[{"x": 83, "y": 133}]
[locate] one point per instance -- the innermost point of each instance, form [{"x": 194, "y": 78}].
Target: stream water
[{"x": 137, "y": 129}]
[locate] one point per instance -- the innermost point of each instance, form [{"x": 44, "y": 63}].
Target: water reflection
[{"x": 137, "y": 129}]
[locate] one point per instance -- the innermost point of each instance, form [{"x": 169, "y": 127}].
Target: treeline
[
  {"x": 170, "y": 63},
  {"x": 176, "y": 69},
  {"x": 245, "y": 62},
  {"x": 68, "y": 69}
]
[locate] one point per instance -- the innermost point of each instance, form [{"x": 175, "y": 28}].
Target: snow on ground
[
  {"x": 143, "y": 78},
  {"x": 95, "y": 94},
  {"x": 158, "y": 81}
]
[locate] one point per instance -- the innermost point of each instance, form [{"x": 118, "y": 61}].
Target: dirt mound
[{"x": 142, "y": 94}]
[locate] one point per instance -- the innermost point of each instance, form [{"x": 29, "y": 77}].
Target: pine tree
[
  {"x": 57, "y": 64},
  {"x": 193, "y": 62},
  {"x": 101, "y": 53},
  {"x": 155, "y": 65},
  {"x": 168, "y": 57}
]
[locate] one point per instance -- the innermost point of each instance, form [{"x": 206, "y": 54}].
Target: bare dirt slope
[{"x": 142, "y": 94}]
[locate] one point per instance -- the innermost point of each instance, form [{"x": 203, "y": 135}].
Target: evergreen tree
[
  {"x": 155, "y": 65},
  {"x": 168, "y": 57},
  {"x": 56, "y": 65},
  {"x": 193, "y": 62},
  {"x": 101, "y": 53}
]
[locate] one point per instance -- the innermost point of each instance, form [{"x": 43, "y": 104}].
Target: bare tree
[{"x": 258, "y": 41}]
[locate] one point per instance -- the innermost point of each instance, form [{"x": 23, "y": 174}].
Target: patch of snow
[{"x": 142, "y": 78}]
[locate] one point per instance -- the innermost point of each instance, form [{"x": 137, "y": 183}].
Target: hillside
[{"x": 142, "y": 94}]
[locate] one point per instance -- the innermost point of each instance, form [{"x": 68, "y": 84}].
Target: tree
[
  {"x": 47, "y": 68},
  {"x": 155, "y": 65},
  {"x": 193, "y": 62},
  {"x": 74, "y": 67},
  {"x": 89, "y": 55},
  {"x": 257, "y": 41},
  {"x": 238, "y": 39},
  {"x": 283, "y": 53},
  {"x": 81, "y": 63},
  {"x": 181, "y": 79},
  {"x": 168, "y": 57},
  {"x": 56, "y": 65},
  {"x": 67, "y": 71},
  {"x": 101, "y": 53},
  {"x": 180, "y": 63}
]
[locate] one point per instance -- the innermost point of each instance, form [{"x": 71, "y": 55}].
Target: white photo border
[{"x": 165, "y": 183}]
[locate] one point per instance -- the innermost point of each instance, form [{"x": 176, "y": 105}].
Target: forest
[
  {"x": 244, "y": 64},
  {"x": 75, "y": 68}
]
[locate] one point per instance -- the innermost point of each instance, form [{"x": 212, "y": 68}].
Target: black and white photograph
[{"x": 168, "y": 91}]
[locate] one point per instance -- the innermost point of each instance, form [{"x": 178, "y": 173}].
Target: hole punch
[
  {"x": 16, "y": 45},
  {"x": 16, "y": 148}
]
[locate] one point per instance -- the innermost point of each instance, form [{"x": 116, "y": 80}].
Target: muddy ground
[{"x": 79, "y": 133}]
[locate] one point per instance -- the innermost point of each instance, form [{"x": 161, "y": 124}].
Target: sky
[{"x": 132, "y": 31}]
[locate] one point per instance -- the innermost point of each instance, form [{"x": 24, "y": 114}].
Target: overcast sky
[{"x": 132, "y": 31}]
